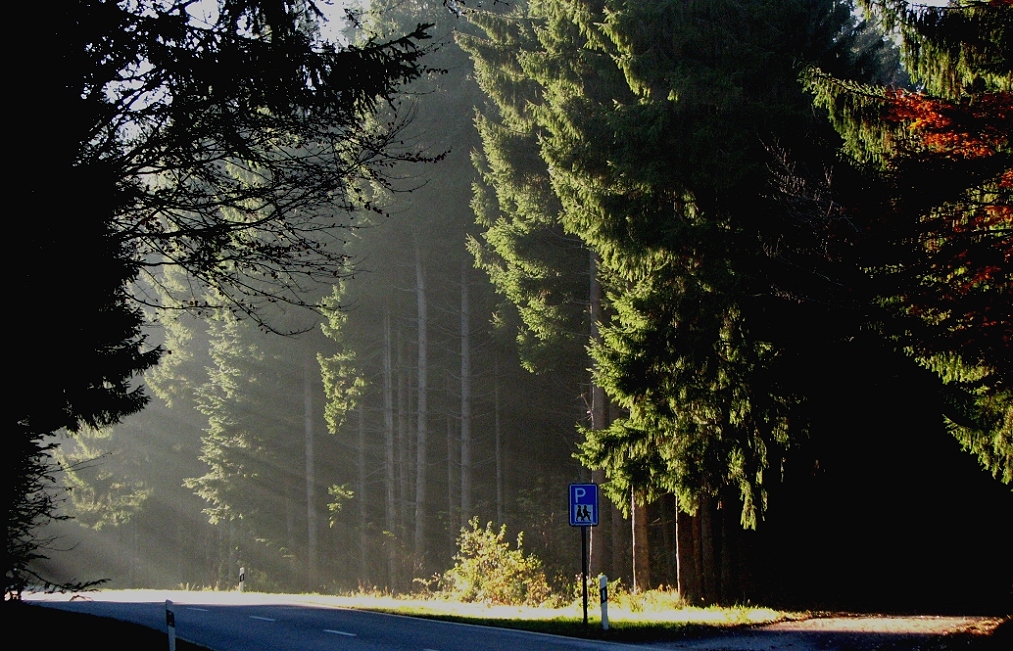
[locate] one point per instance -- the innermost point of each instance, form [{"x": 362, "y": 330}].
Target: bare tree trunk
[
  {"x": 678, "y": 550},
  {"x": 421, "y": 430},
  {"x": 670, "y": 546},
  {"x": 641, "y": 556},
  {"x": 465, "y": 396},
  {"x": 451, "y": 469},
  {"x": 294, "y": 570},
  {"x": 622, "y": 562},
  {"x": 363, "y": 513},
  {"x": 311, "y": 480},
  {"x": 499, "y": 449},
  {"x": 402, "y": 434},
  {"x": 390, "y": 513},
  {"x": 708, "y": 577}
]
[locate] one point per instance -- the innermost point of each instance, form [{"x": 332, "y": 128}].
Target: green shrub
[{"x": 487, "y": 570}]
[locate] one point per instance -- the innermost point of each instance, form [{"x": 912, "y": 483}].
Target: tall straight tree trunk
[
  {"x": 601, "y": 539},
  {"x": 622, "y": 546},
  {"x": 709, "y": 578},
  {"x": 421, "y": 429},
  {"x": 641, "y": 555},
  {"x": 668, "y": 544},
  {"x": 499, "y": 447},
  {"x": 291, "y": 504},
  {"x": 390, "y": 506},
  {"x": 452, "y": 503},
  {"x": 465, "y": 396},
  {"x": 363, "y": 513},
  {"x": 402, "y": 434},
  {"x": 678, "y": 548},
  {"x": 311, "y": 480}
]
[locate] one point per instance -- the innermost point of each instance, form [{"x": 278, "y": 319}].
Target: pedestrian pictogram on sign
[{"x": 583, "y": 505}]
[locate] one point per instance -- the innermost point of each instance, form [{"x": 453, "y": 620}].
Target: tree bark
[
  {"x": 452, "y": 452},
  {"x": 363, "y": 513},
  {"x": 708, "y": 577},
  {"x": 499, "y": 448},
  {"x": 402, "y": 436},
  {"x": 390, "y": 506},
  {"x": 641, "y": 546},
  {"x": 311, "y": 480},
  {"x": 421, "y": 429},
  {"x": 465, "y": 396}
]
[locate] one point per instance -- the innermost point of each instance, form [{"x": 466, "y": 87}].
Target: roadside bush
[{"x": 487, "y": 570}]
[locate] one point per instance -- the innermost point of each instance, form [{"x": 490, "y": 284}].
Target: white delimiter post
[
  {"x": 603, "y": 589},
  {"x": 170, "y": 624},
  {"x": 242, "y": 579}
]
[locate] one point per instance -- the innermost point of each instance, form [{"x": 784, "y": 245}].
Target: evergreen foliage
[
  {"x": 539, "y": 269},
  {"x": 654, "y": 122},
  {"x": 160, "y": 103},
  {"x": 931, "y": 220},
  {"x": 253, "y": 439},
  {"x": 102, "y": 494}
]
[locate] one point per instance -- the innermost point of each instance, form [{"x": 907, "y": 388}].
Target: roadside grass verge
[{"x": 652, "y": 623}]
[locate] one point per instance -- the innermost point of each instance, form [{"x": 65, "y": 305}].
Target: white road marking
[
  {"x": 203, "y": 610},
  {"x": 328, "y": 630},
  {"x": 264, "y": 619}
]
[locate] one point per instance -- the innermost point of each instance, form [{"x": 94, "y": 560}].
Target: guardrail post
[{"x": 170, "y": 624}]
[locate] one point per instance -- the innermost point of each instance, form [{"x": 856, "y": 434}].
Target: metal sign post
[{"x": 583, "y": 514}]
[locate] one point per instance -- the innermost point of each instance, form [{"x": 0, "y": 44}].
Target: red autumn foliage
[
  {"x": 966, "y": 245},
  {"x": 972, "y": 127}
]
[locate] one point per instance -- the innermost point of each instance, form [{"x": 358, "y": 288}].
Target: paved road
[
  {"x": 258, "y": 622},
  {"x": 265, "y": 626}
]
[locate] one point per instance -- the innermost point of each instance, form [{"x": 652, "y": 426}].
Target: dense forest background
[{"x": 659, "y": 250}]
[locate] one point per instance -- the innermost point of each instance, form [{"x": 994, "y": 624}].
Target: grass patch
[{"x": 646, "y": 622}]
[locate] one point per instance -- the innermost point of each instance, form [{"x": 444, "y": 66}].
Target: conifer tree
[
  {"x": 252, "y": 444},
  {"x": 654, "y": 122},
  {"x": 932, "y": 222},
  {"x": 161, "y": 104}
]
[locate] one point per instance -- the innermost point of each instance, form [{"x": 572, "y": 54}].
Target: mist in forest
[{"x": 447, "y": 376}]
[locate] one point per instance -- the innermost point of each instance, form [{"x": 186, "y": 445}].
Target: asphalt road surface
[
  {"x": 265, "y": 626},
  {"x": 258, "y": 622}
]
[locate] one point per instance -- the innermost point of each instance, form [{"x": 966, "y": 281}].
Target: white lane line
[
  {"x": 263, "y": 619},
  {"x": 203, "y": 610},
  {"x": 328, "y": 630},
  {"x": 428, "y": 649}
]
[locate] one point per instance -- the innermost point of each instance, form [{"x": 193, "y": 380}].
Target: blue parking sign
[{"x": 583, "y": 505}]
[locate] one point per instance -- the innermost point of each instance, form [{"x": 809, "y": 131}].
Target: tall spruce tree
[
  {"x": 253, "y": 448},
  {"x": 655, "y": 122},
  {"x": 546, "y": 276},
  {"x": 931, "y": 214}
]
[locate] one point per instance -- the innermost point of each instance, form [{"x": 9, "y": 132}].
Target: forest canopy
[
  {"x": 746, "y": 264},
  {"x": 218, "y": 138}
]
